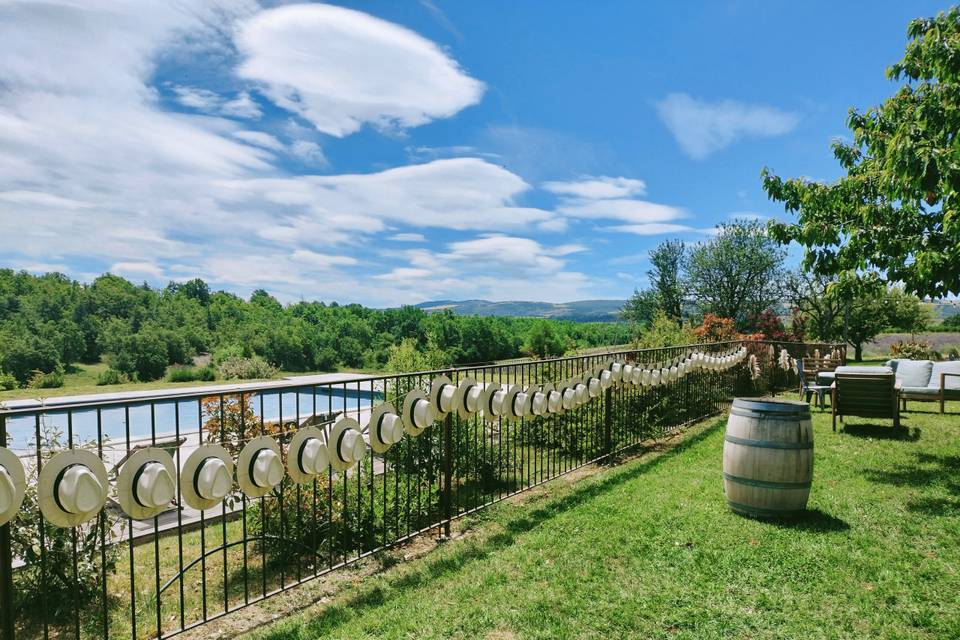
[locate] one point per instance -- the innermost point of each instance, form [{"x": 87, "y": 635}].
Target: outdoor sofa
[{"x": 927, "y": 381}]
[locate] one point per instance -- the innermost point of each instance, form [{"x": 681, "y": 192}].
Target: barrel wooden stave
[{"x": 768, "y": 457}]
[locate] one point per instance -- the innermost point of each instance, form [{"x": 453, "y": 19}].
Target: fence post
[
  {"x": 447, "y": 490},
  {"x": 607, "y": 421},
  {"x": 6, "y": 564}
]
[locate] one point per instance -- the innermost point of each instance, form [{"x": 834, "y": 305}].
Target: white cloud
[
  {"x": 652, "y": 228},
  {"x": 408, "y": 237},
  {"x": 320, "y": 260},
  {"x": 702, "y": 128},
  {"x": 456, "y": 193},
  {"x": 260, "y": 139},
  {"x": 240, "y": 106},
  {"x": 598, "y": 188},
  {"x": 137, "y": 270},
  {"x": 494, "y": 267},
  {"x": 340, "y": 68},
  {"x": 633, "y": 211},
  {"x": 309, "y": 152}
]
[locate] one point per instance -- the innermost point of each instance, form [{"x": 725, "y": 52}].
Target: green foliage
[
  {"x": 543, "y": 342},
  {"x": 665, "y": 332},
  {"x": 738, "y": 273},
  {"x": 51, "y": 380},
  {"x": 408, "y": 356},
  {"x": 913, "y": 351},
  {"x": 951, "y": 324},
  {"x": 640, "y": 309},
  {"x": 50, "y": 594},
  {"x": 192, "y": 374},
  {"x": 51, "y": 320},
  {"x": 112, "y": 376},
  {"x": 895, "y": 212},
  {"x": 666, "y": 276},
  {"x": 7, "y": 382},
  {"x": 250, "y": 368}
]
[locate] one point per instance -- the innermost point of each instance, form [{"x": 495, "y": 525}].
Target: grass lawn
[{"x": 649, "y": 549}]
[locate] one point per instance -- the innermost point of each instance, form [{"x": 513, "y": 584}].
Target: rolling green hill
[{"x": 579, "y": 310}]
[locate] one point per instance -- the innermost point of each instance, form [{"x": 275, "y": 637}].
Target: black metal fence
[{"x": 114, "y": 576}]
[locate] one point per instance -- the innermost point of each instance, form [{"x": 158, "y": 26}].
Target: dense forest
[{"x": 49, "y": 322}]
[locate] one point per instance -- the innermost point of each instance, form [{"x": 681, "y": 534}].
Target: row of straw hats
[{"x": 73, "y": 484}]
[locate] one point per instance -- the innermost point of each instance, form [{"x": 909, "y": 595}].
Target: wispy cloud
[
  {"x": 315, "y": 60},
  {"x": 408, "y": 237},
  {"x": 597, "y": 188},
  {"x": 701, "y": 128}
]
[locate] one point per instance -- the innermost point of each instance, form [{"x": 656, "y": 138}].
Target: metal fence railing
[{"x": 87, "y": 556}]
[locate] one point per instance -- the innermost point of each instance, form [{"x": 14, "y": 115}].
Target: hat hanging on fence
[
  {"x": 13, "y": 485},
  {"x": 605, "y": 376},
  {"x": 594, "y": 386},
  {"x": 444, "y": 395},
  {"x": 418, "y": 412},
  {"x": 513, "y": 403},
  {"x": 568, "y": 392},
  {"x": 626, "y": 374},
  {"x": 345, "y": 444},
  {"x": 539, "y": 399},
  {"x": 385, "y": 428},
  {"x": 492, "y": 400},
  {"x": 616, "y": 370},
  {"x": 583, "y": 391},
  {"x": 307, "y": 455},
  {"x": 206, "y": 478},
  {"x": 470, "y": 397},
  {"x": 145, "y": 484},
  {"x": 259, "y": 467},
  {"x": 72, "y": 487}
]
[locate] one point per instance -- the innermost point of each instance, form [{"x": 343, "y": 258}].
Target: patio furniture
[
  {"x": 927, "y": 381},
  {"x": 809, "y": 386},
  {"x": 873, "y": 394},
  {"x": 819, "y": 370}
]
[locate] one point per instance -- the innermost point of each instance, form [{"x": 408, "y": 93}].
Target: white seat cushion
[
  {"x": 951, "y": 382},
  {"x": 914, "y": 373}
]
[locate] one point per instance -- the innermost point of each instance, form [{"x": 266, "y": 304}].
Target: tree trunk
[{"x": 858, "y": 352}]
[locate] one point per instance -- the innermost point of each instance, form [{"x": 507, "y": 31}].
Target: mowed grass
[{"x": 648, "y": 549}]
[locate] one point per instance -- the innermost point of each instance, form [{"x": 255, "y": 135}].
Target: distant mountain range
[
  {"x": 578, "y": 311},
  {"x": 581, "y": 310}
]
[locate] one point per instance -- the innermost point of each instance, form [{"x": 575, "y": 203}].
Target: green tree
[
  {"x": 544, "y": 342},
  {"x": 640, "y": 309},
  {"x": 895, "y": 212},
  {"x": 668, "y": 261},
  {"x": 809, "y": 294},
  {"x": 738, "y": 273}
]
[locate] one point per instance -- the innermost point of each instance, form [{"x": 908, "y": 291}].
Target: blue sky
[{"x": 394, "y": 152}]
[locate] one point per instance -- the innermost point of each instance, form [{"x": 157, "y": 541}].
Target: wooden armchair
[{"x": 865, "y": 395}]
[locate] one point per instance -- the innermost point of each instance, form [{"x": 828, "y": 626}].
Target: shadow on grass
[
  {"x": 882, "y": 432},
  {"x": 812, "y": 521},
  {"x": 930, "y": 472},
  {"x": 469, "y": 551}
]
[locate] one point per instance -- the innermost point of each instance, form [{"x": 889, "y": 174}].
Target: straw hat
[
  {"x": 145, "y": 484},
  {"x": 616, "y": 370},
  {"x": 554, "y": 398},
  {"x": 259, "y": 467},
  {"x": 538, "y": 399},
  {"x": 444, "y": 395},
  {"x": 307, "y": 455},
  {"x": 470, "y": 395},
  {"x": 206, "y": 478},
  {"x": 13, "y": 485},
  {"x": 345, "y": 444},
  {"x": 385, "y": 428},
  {"x": 583, "y": 392},
  {"x": 492, "y": 400},
  {"x": 513, "y": 403},
  {"x": 418, "y": 412},
  {"x": 72, "y": 487},
  {"x": 626, "y": 374},
  {"x": 594, "y": 386},
  {"x": 569, "y": 390}
]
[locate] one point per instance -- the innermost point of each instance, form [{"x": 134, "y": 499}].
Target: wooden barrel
[{"x": 768, "y": 457}]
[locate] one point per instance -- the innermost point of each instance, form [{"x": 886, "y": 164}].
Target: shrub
[
  {"x": 912, "y": 350},
  {"x": 191, "y": 374},
  {"x": 7, "y": 382},
  {"x": 664, "y": 331},
  {"x": 112, "y": 376},
  {"x": 50, "y": 594},
  {"x": 51, "y": 380},
  {"x": 235, "y": 367}
]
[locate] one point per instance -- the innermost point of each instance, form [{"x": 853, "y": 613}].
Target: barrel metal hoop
[
  {"x": 770, "y": 415},
  {"x": 748, "y": 510},
  {"x": 767, "y": 444},
  {"x": 766, "y": 484}
]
